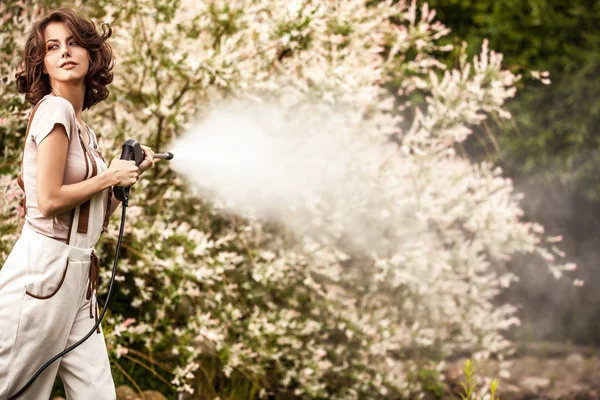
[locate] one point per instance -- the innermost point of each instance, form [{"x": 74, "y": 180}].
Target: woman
[{"x": 48, "y": 282}]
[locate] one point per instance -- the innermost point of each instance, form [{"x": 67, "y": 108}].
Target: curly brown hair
[{"x": 31, "y": 79}]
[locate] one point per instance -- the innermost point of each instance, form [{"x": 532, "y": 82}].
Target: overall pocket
[
  {"x": 46, "y": 268},
  {"x": 52, "y": 268},
  {"x": 45, "y": 279}
]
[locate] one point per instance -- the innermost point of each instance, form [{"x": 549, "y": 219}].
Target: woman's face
[{"x": 66, "y": 61}]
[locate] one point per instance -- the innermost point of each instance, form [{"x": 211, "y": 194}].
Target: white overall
[{"x": 47, "y": 303}]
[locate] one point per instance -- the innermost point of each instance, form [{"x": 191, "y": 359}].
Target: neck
[{"x": 74, "y": 94}]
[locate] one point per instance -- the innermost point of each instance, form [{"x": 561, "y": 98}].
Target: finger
[
  {"x": 145, "y": 165},
  {"x": 149, "y": 155},
  {"x": 147, "y": 149}
]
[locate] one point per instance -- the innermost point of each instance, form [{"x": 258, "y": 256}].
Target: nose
[{"x": 65, "y": 50}]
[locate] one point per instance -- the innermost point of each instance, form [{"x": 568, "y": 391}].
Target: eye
[{"x": 52, "y": 46}]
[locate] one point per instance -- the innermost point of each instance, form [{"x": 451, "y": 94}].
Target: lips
[{"x": 68, "y": 63}]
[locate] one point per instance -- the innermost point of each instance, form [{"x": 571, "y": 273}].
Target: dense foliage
[
  {"x": 555, "y": 129},
  {"x": 219, "y": 305}
]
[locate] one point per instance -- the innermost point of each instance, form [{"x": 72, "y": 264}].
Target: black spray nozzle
[{"x": 133, "y": 151}]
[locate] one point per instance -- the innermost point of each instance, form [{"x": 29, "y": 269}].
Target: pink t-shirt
[{"x": 55, "y": 110}]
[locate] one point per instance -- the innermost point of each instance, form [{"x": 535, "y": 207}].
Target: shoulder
[
  {"x": 52, "y": 110},
  {"x": 56, "y": 103}
]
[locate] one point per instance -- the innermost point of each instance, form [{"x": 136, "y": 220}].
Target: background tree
[{"x": 551, "y": 148}]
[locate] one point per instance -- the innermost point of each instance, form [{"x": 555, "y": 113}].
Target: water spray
[{"x": 132, "y": 151}]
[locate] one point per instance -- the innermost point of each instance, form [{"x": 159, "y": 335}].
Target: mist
[{"x": 311, "y": 168}]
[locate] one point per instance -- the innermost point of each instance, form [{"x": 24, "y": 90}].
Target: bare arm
[{"x": 54, "y": 197}]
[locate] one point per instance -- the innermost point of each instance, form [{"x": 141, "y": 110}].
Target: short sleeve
[{"x": 53, "y": 110}]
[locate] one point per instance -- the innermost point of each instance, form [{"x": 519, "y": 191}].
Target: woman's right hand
[{"x": 124, "y": 172}]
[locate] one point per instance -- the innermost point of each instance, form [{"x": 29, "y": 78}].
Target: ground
[
  {"x": 537, "y": 372},
  {"x": 541, "y": 372}
]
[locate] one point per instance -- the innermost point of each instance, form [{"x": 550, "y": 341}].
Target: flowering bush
[{"x": 220, "y": 304}]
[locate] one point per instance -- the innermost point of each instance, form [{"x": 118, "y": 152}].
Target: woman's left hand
[{"x": 149, "y": 160}]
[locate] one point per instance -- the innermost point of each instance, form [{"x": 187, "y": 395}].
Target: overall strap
[
  {"x": 84, "y": 210},
  {"x": 82, "y": 225}
]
